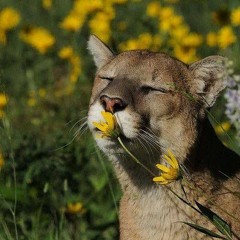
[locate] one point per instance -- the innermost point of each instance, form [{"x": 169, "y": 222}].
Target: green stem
[{"x": 133, "y": 157}]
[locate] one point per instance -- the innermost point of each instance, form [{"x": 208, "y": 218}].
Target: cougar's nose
[{"x": 112, "y": 104}]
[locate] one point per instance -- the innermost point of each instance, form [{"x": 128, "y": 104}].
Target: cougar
[{"x": 162, "y": 103}]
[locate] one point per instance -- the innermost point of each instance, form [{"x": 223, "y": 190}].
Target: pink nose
[{"x": 112, "y": 104}]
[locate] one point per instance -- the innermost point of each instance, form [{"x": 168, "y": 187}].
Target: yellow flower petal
[
  {"x": 163, "y": 168},
  {"x": 160, "y": 180},
  {"x": 101, "y": 126},
  {"x": 109, "y": 118},
  {"x": 171, "y": 159},
  {"x": 172, "y": 175}
]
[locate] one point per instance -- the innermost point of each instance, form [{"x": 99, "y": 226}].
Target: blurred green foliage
[{"x": 54, "y": 183}]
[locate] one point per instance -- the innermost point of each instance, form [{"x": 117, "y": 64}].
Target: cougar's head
[{"x": 155, "y": 98}]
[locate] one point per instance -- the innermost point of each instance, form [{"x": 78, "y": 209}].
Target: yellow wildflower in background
[
  {"x": 47, "y": 4},
  {"x": 222, "y": 127},
  {"x": 76, "y": 70},
  {"x": 168, "y": 173},
  {"x": 212, "y": 39},
  {"x": 3, "y": 103},
  {"x": 9, "y": 18},
  {"x": 66, "y": 52},
  {"x": 3, "y": 100},
  {"x": 144, "y": 41},
  {"x": 166, "y": 13},
  {"x": 185, "y": 54},
  {"x": 179, "y": 33},
  {"x": 72, "y": 22},
  {"x": 32, "y": 102},
  {"x": 100, "y": 25},
  {"x": 235, "y": 17},
  {"x": 192, "y": 40},
  {"x": 130, "y": 44},
  {"x": 108, "y": 128},
  {"x": 2, "y": 162},
  {"x": 74, "y": 208},
  {"x": 42, "y": 92},
  {"x": 226, "y": 37},
  {"x": 170, "y": 24},
  {"x": 39, "y": 38},
  {"x": 83, "y": 7},
  {"x": 153, "y": 9}
]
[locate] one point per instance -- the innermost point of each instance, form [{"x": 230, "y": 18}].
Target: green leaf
[
  {"x": 218, "y": 222},
  {"x": 204, "y": 230}
]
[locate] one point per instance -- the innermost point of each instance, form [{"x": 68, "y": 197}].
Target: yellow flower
[
  {"x": 180, "y": 32},
  {"x": 74, "y": 208},
  {"x": 145, "y": 40},
  {"x": 66, "y": 52},
  {"x": 42, "y": 92},
  {"x": 2, "y": 162},
  {"x": 73, "y": 21},
  {"x": 100, "y": 24},
  {"x": 222, "y": 127},
  {"x": 185, "y": 54},
  {"x": 109, "y": 128},
  {"x": 83, "y": 7},
  {"x": 166, "y": 13},
  {"x": 47, "y": 4},
  {"x": 3, "y": 100},
  {"x": 171, "y": 24},
  {"x": 75, "y": 61},
  {"x": 76, "y": 69},
  {"x": 169, "y": 174},
  {"x": 192, "y": 40},
  {"x": 39, "y": 38},
  {"x": 226, "y": 37},
  {"x": 9, "y": 18},
  {"x": 235, "y": 17},
  {"x": 212, "y": 39},
  {"x": 153, "y": 9}
]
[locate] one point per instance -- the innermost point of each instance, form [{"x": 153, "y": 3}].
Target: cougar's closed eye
[
  {"x": 106, "y": 78},
  {"x": 147, "y": 89}
]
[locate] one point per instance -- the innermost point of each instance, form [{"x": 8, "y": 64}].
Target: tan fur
[{"x": 177, "y": 118}]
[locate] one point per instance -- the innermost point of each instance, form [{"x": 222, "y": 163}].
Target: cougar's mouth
[{"x": 108, "y": 126}]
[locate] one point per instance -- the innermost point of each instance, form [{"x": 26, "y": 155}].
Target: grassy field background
[{"x": 54, "y": 183}]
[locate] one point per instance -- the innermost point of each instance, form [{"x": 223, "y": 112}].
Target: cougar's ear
[
  {"x": 101, "y": 53},
  {"x": 208, "y": 79}
]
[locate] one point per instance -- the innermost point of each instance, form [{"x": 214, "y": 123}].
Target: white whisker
[{"x": 79, "y": 121}]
